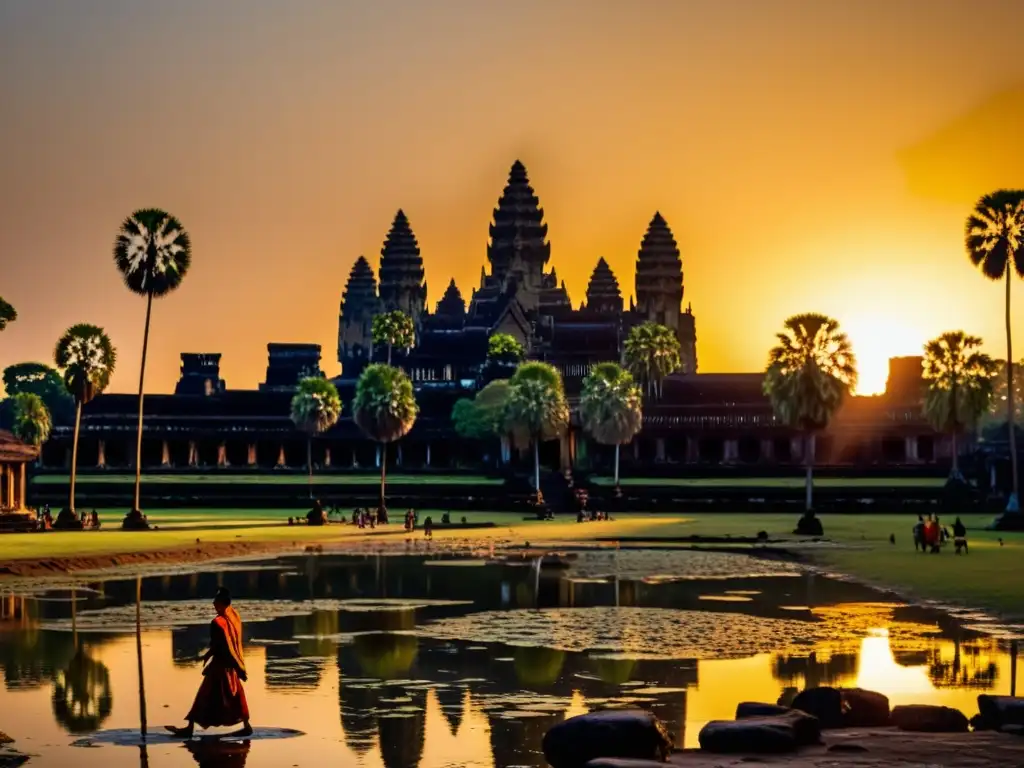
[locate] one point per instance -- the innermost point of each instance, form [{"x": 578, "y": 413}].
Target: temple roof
[
  {"x": 518, "y": 224},
  {"x": 15, "y": 451},
  {"x": 603, "y": 289},
  {"x": 360, "y": 292},
  {"x": 452, "y": 303},
  {"x": 401, "y": 265},
  {"x": 659, "y": 268}
]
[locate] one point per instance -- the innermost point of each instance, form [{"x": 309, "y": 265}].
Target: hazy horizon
[{"x": 808, "y": 157}]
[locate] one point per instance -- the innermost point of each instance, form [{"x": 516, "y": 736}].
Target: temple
[{"x": 700, "y": 419}]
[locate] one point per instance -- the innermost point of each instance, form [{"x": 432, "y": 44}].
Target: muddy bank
[{"x": 875, "y": 748}]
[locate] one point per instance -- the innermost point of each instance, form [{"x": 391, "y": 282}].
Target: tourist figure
[
  {"x": 959, "y": 536},
  {"x": 221, "y": 698},
  {"x": 428, "y": 528},
  {"x": 316, "y": 516},
  {"x": 95, "y": 521},
  {"x": 919, "y": 534}
]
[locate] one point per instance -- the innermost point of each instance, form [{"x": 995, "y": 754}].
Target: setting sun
[{"x": 876, "y": 338}]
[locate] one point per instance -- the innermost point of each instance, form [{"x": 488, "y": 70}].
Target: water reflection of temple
[{"x": 395, "y": 689}]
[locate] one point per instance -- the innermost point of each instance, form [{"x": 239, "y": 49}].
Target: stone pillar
[
  {"x": 165, "y": 454},
  {"x": 21, "y": 501},
  {"x": 193, "y": 454},
  {"x": 564, "y": 459},
  {"x": 910, "y": 449},
  {"x": 327, "y": 457},
  {"x": 222, "y": 455},
  {"x": 251, "y": 455},
  {"x": 280, "y": 458},
  {"x": 767, "y": 449},
  {"x": 101, "y": 455},
  {"x": 796, "y": 449},
  {"x": 659, "y": 449},
  {"x": 730, "y": 451},
  {"x": 692, "y": 450}
]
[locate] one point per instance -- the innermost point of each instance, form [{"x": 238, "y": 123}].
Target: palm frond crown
[
  {"x": 610, "y": 405},
  {"x": 153, "y": 252},
  {"x": 960, "y": 381},
  {"x": 8, "y": 314},
  {"x": 385, "y": 407},
  {"x": 994, "y": 234},
  {"x": 651, "y": 352},
  {"x": 316, "y": 405},
  {"x": 32, "y": 422},
  {"x": 810, "y": 371},
  {"x": 88, "y": 358},
  {"x": 394, "y": 329},
  {"x": 536, "y": 407}
]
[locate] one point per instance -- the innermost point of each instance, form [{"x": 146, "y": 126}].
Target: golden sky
[{"x": 808, "y": 156}]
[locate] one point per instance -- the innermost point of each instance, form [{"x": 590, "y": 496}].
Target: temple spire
[
  {"x": 452, "y": 303},
  {"x": 359, "y": 303},
  {"x": 518, "y": 233},
  {"x": 659, "y": 274},
  {"x": 603, "y": 294},
  {"x": 402, "y": 283}
]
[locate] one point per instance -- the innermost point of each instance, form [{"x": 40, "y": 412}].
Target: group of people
[
  {"x": 930, "y": 535},
  {"x": 66, "y": 520},
  {"x": 583, "y": 514},
  {"x": 367, "y": 518}
]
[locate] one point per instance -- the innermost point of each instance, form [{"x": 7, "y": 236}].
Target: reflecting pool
[{"x": 421, "y": 661}]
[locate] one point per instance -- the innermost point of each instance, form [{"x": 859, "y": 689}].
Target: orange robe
[{"x": 221, "y": 699}]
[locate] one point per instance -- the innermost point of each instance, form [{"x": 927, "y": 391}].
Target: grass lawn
[
  {"x": 289, "y": 478},
  {"x": 777, "y": 482}
]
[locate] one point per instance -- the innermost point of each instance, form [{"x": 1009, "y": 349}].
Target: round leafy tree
[
  {"x": 316, "y": 407},
  {"x": 393, "y": 330},
  {"x": 8, "y": 314},
  {"x": 32, "y": 423}
]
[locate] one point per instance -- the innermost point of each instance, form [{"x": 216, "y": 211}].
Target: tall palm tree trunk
[
  {"x": 389, "y": 354},
  {"x": 1012, "y": 505},
  {"x": 617, "y": 446},
  {"x": 809, "y": 464},
  {"x": 138, "y": 653},
  {"x": 382, "y": 511},
  {"x": 142, "y": 384},
  {"x": 954, "y": 472},
  {"x": 74, "y": 456},
  {"x": 536, "y": 465},
  {"x": 309, "y": 462}
]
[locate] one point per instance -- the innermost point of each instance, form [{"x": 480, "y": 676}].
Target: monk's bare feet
[
  {"x": 183, "y": 733},
  {"x": 245, "y": 730}
]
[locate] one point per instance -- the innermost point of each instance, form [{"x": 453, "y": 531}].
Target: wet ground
[{"x": 420, "y": 661}]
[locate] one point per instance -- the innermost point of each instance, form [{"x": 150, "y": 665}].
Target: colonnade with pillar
[{"x": 12, "y": 486}]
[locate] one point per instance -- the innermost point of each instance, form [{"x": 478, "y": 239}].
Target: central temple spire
[{"x": 518, "y": 233}]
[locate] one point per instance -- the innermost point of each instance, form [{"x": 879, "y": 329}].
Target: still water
[{"x": 404, "y": 661}]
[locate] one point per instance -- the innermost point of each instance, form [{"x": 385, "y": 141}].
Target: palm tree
[
  {"x": 385, "y": 410},
  {"x": 316, "y": 407},
  {"x": 88, "y": 358},
  {"x": 393, "y": 329},
  {"x": 505, "y": 348},
  {"x": 610, "y": 408},
  {"x": 994, "y": 237},
  {"x": 651, "y": 353},
  {"x": 8, "y": 314},
  {"x": 153, "y": 253},
  {"x": 32, "y": 423},
  {"x": 82, "y": 694},
  {"x": 536, "y": 409},
  {"x": 959, "y": 378},
  {"x": 810, "y": 371}
]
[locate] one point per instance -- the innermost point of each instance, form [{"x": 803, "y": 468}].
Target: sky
[{"x": 808, "y": 156}]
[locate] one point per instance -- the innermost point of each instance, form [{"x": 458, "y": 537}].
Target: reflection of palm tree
[
  {"x": 453, "y": 705},
  {"x": 218, "y": 754},
  {"x": 838, "y": 668},
  {"x": 316, "y": 633},
  {"x": 538, "y": 667},
  {"x": 385, "y": 656},
  {"x": 518, "y": 741},
  {"x": 31, "y": 658},
  {"x": 82, "y": 696},
  {"x": 614, "y": 671}
]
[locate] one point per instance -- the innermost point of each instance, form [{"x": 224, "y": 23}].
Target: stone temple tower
[
  {"x": 359, "y": 304},
  {"x": 402, "y": 283},
  {"x": 603, "y": 294},
  {"x": 659, "y": 288}
]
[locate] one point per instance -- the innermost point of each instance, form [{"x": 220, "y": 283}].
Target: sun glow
[{"x": 875, "y": 339}]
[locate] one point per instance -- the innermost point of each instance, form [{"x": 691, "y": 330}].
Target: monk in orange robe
[{"x": 221, "y": 698}]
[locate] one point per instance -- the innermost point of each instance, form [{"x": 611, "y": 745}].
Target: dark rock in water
[
  {"x": 844, "y": 707},
  {"x": 757, "y": 709},
  {"x": 623, "y": 762},
  {"x": 864, "y": 709},
  {"x": 9, "y": 756},
  {"x": 809, "y": 525},
  {"x": 927, "y": 718},
  {"x": 997, "y": 711},
  {"x": 752, "y": 735},
  {"x": 978, "y": 723},
  {"x": 1013, "y": 730},
  {"x": 623, "y": 733},
  {"x": 824, "y": 703},
  {"x": 5, "y": 739},
  {"x": 848, "y": 747}
]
